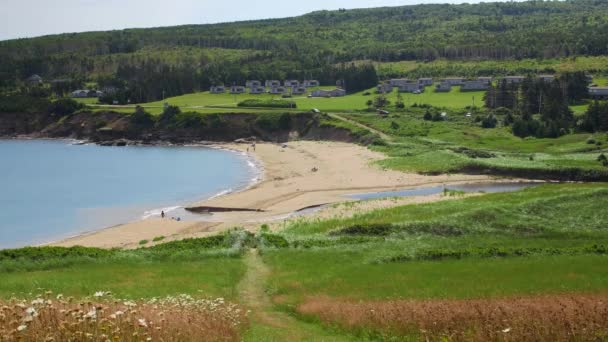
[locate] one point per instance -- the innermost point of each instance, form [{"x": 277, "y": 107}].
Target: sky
[{"x": 30, "y": 18}]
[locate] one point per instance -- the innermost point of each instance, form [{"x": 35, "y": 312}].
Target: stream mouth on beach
[{"x": 56, "y": 189}]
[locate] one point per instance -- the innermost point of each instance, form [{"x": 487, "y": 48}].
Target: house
[
  {"x": 328, "y": 93},
  {"x": 291, "y": 83},
  {"x": 217, "y": 90},
  {"x": 84, "y": 93},
  {"x": 486, "y": 79},
  {"x": 81, "y": 93},
  {"x": 409, "y": 87},
  {"x": 272, "y": 83},
  {"x": 257, "y": 90},
  {"x": 298, "y": 90},
  {"x": 253, "y": 84},
  {"x": 109, "y": 89},
  {"x": 237, "y": 90},
  {"x": 454, "y": 81},
  {"x": 598, "y": 92},
  {"x": 546, "y": 78},
  {"x": 310, "y": 83},
  {"x": 474, "y": 85},
  {"x": 34, "y": 80},
  {"x": 425, "y": 81},
  {"x": 443, "y": 87},
  {"x": 277, "y": 90},
  {"x": 514, "y": 79},
  {"x": 396, "y": 82},
  {"x": 384, "y": 88}
]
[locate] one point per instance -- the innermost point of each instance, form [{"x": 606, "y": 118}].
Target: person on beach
[
  {"x": 253, "y": 145},
  {"x": 162, "y": 214}
]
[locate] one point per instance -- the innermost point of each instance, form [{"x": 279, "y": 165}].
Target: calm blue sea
[{"x": 51, "y": 190}]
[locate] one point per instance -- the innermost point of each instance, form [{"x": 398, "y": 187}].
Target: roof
[
  {"x": 599, "y": 88},
  {"x": 515, "y": 77}
]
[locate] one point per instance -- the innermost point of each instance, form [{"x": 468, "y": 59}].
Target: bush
[
  {"x": 267, "y": 103},
  {"x": 591, "y": 141},
  {"x": 274, "y": 122},
  {"x": 23, "y": 104},
  {"x": 272, "y": 240},
  {"x": 489, "y": 122},
  {"x": 141, "y": 117},
  {"x": 428, "y": 116},
  {"x": 366, "y": 229},
  {"x": 65, "y": 106}
]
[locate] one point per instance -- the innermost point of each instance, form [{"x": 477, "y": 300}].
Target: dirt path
[
  {"x": 358, "y": 124},
  {"x": 267, "y": 322}
]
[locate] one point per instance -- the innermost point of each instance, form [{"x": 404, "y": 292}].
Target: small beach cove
[
  {"x": 57, "y": 189},
  {"x": 297, "y": 175}
]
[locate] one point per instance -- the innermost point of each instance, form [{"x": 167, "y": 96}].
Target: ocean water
[{"x": 52, "y": 189}]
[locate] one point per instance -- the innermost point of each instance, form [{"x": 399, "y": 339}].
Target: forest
[{"x": 313, "y": 46}]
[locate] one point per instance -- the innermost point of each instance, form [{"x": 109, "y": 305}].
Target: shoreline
[{"x": 286, "y": 183}]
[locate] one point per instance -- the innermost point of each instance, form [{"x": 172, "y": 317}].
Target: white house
[
  {"x": 454, "y": 81},
  {"x": 298, "y": 90},
  {"x": 328, "y": 93},
  {"x": 425, "y": 81},
  {"x": 396, "y": 82},
  {"x": 310, "y": 83},
  {"x": 443, "y": 87},
  {"x": 272, "y": 83},
  {"x": 486, "y": 79},
  {"x": 291, "y": 83},
  {"x": 80, "y": 93},
  {"x": 384, "y": 88},
  {"x": 237, "y": 90},
  {"x": 409, "y": 87},
  {"x": 257, "y": 90},
  {"x": 598, "y": 92},
  {"x": 34, "y": 79},
  {"x": 514, "y": 79},
  {"x": 217, "y": 90},
  {"x": 277, "y": 90},
  {"x": 546, "y": 78},
  {"x": 253, "y": 84},
  {"x": 474, "y": 85}
]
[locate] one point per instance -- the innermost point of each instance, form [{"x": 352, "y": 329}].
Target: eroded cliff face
[{"x": 110, "y": 127}]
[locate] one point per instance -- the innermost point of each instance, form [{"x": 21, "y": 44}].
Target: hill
[{"x": 310, "y": 46}]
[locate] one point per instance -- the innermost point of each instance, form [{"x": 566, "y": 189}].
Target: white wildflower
[
  {"x": 506, "y": 330},
  {"x": 21, "y": 327},
  {"x": 31, "y": 312},
  {"x": 99, "y": 294},
  {"x": 142, "y": 322},
  {"x": 91, "y": 314}
]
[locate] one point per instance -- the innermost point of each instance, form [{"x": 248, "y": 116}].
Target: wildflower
[
  {"x": 91, "y": 314},
  {"x": 99, "y": 294},
  {"x": 506, "y": 330},
  {"x": 21, "y": 327},
  {"x": 59, "y": 296},
  {"x": 31, "y": 312},
  {"x": 38, "y": 301},
  {"x": 142, "y": 322}
]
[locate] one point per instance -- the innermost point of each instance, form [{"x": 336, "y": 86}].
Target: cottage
[
  {"x": 257, "y": 90},
  {"x": 34, "y": 80},
  {"x": 486, "y": 79},
  {"x": 384, "y": 88},
  {"x": 443, "y": 87},
  {"x": 396, "y": 82},
  {"x": 598, "y": 92},
  {"x": 311, "y": 83},
  {"x": 425, "y": 81},
  {"x": 474, "y": 85},
  {"x": 237, "y": 90},
  {"x": 514, "y": 79},
  {"x": 409, "y": 87},
  {"x": 272, "y": 83},
  {"x": 546, "y": 78},
  {"x": 328, "y": 93},
  {"x": 298, "y": 90},
  {"x": 253, "y": 84},
  {"x": 217, "y": 90},
  {"x": 81, "y": 93},
  {"x": 291, "y": 83},
  {"x": 277, "y": 90},
  {"x": 454, "y": 81}
]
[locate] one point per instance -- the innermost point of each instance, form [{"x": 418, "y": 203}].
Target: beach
[{"x": 298, "y": 175}]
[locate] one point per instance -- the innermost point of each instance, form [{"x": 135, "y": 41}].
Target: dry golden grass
[
  {"x": 180, "y": 318},
  {"x": 542, "y": 318}
]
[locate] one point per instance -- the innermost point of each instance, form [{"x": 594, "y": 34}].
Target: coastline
[{"x": 286, "y": 182}]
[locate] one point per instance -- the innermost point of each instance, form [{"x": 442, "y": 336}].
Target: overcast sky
[{"x": 30, "y": 18}]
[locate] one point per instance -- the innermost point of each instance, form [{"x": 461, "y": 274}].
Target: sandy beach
[{"x": 301, "y": 175}]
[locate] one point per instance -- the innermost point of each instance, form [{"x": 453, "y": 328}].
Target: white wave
[
  {"x": 221, "y": 193},
  {"x": 156, "y": 212}
]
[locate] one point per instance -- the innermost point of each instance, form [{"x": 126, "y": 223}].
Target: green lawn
[
  {"x": 552, "y": 223},
  {"x": 213, "y": 277}
]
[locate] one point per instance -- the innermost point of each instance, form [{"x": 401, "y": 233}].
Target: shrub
[
  {"x": 65, "y": 106},
  {"x": 591, "y": 141},
  {"x": 489, "y": 122},
  {"x": 267, "y": 103},
  {"x": 366, "y": 229},
  {"x": 273, "y": 240}
]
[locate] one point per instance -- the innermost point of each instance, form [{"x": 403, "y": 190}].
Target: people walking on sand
[
  {"x": 162, "y": 214},
  {"x": 253, "y": 146}
]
